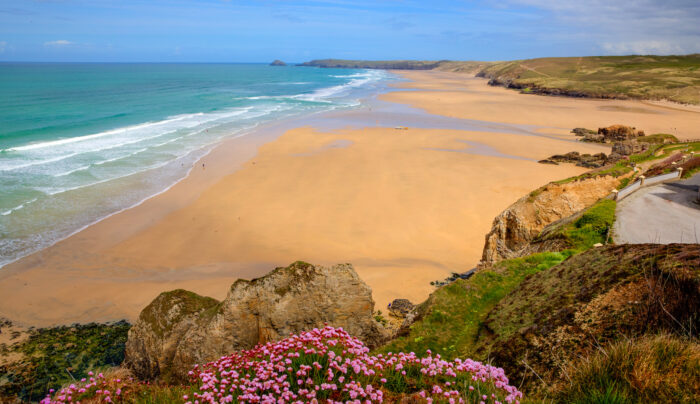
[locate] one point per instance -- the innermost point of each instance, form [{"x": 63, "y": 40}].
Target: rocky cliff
[
  {"x": 180, "y": 329},
  {"x": 521, "y": 222}
]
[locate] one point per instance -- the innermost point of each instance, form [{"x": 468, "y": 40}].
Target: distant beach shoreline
[{"x": 404, "y": 206}]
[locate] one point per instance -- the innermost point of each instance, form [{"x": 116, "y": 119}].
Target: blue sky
[{"x": 259, "y": 31}]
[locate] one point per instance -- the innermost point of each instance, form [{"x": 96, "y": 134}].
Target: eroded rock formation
[
  {"x": 613, "y": 133},
  {"x": 180, "y": 329},
  {"x": 522, "y": 221}
]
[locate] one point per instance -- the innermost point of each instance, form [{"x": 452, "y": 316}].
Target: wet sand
[{"x": 404, "y": 206}]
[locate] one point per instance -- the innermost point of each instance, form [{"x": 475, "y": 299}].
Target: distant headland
[{"x": 647, "y": 77}]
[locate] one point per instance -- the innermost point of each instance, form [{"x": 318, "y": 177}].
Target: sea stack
[{"x": 278, "y": 63}]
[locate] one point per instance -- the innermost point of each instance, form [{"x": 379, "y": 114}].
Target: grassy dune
[{"x": 675, "y": 78}]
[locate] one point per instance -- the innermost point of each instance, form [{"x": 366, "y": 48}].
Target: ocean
[{"x": 79, "y": 142}]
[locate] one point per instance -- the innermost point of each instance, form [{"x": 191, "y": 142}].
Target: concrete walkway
[{"x": 664, "y": 213}]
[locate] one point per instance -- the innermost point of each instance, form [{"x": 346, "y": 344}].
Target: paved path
[{"x": 664, "y": 213}]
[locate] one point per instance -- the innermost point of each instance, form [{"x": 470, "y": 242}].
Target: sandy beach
[
  {"x": 405, "y": 207},
  {"x": 467, "y": 97}
]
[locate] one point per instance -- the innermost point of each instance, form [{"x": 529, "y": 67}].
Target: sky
[{"x": 296, "y": 31}]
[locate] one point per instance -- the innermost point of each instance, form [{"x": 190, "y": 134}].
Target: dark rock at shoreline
[
  {"x": 582, "y": 131},
  {"x": 534, "y": 89},
  {"x": 278, "y": 62},
  {"x": 400, "y": 308},
  {"x": 180, "y": 329},
  {"x": 453, "y": 277},
  {"x": 581, "y": 160}
]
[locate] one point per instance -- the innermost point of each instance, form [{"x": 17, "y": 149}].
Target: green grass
[
  {"x": 592, "y": 227},
  {"x": 658, "y": 138},
  {"x": 454, "y": 313},
  {"x": 618, "y": 169},
  {"x": 453, "y": 318},
  {"x": 659, "y": 368}
]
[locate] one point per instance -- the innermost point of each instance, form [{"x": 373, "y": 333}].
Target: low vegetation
[
  {"x": 652, "y": 368},
  {"x": 51, "y": 357},
  {"x": 326, "y": 364},
  {"x": 675, "y": 78}
]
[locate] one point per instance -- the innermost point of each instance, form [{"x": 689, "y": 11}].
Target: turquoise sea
[{"x": 79, "y": 142}]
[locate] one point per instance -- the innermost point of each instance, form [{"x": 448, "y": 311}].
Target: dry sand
[{"x": 404, "y": 206}]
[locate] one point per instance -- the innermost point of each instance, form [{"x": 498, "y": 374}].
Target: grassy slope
[
  {"x": 453, "y": 316},
  {"x": 484, "y": 317},
  {"x": 675, "y": 78},
  {"x": 52, "y": 357},
  {"x": 641, "y": 370}
]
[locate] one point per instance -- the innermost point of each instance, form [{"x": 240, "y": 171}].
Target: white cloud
[
  {"x": 3, "y": 45},
  {"x": 60, "y": 42},
  {"x": 624, "y": 26},
  {"x": 642, "y": 48}
]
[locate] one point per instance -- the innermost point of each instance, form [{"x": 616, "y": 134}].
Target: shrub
[
  {"x": 659, "y": 168},
  {"x": 691, "y": 166},
  {"x": 649, "y": 369}
]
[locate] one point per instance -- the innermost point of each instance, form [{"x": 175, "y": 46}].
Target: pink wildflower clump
[
  {"x": 329, "y": 365},
  {"x": 94, "y": 387}
]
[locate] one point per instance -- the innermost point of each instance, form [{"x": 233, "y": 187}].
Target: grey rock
[{"x": 180, "y": 329}]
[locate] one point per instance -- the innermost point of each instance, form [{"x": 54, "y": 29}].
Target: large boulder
[
  {"x": 617, "y": 133},
  {"x": 628, "y": 148},
  {"x": 180, "y": 329}
]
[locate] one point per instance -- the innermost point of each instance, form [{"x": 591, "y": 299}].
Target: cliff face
[
  {"x": 521, "y": 222},
  {"x": 180, "y": 329}
]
